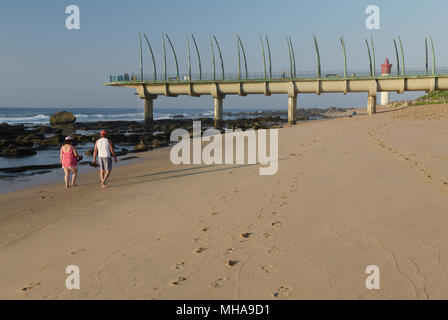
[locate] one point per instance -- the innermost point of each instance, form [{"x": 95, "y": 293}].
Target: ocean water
[{"x": 41, "y": 116}]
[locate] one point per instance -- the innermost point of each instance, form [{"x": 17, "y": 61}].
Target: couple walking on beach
[{"x": 69, "y": 158}]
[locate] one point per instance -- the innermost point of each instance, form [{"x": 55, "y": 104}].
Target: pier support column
[
  {"x": 149, "y": 111},
  {"x": 292, "y": 110},
  {"x": 371, "y": 105},
  {"x": 218, "y": 112}
]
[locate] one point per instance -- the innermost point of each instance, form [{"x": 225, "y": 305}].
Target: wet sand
[{"x": 349, "y": 193}]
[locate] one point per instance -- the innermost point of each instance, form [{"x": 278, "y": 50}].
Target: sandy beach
[{"x": 349, "y": 193}]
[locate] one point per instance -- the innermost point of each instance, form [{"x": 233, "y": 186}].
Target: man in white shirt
[{"x": 104, "y": 149}]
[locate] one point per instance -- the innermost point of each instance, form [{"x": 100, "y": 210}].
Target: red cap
[{"x": 103, "y": 133}]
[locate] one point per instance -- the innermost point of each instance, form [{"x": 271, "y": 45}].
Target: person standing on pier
[
  {"x": 104, "y": 149},
  {"x": 283, "y": 74}
]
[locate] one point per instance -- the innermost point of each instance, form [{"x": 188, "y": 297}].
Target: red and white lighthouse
[{"x": 385, "y": 71}]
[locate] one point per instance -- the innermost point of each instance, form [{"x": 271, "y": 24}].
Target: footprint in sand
[
  {"x": 232, "y": 263},
  {"x": 273, "y": 250},
  {"x": 178, "y": 281},
  {"x": 44, "y": 269},
  {"x": 276, "y": 224},
  {"x": 282, "y": 292},
  {"x": 228, "y": 251},
  {"x": 267, "y": 235},
  {"x": 77, "y": 251},
  {"x": 200, "y": 250},
  {"x": 246, "y": 235},
  {"x": 268, "y": 268},
  {"x": 219, "y": 283},
  {"x": 214, "y": 213},
  {"x": 205, "y": 229},
  {"x": 31, "y": 286},
  {"x": 180, "y": 265}
]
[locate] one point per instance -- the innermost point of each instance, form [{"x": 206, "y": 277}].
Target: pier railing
[{"x": 218, "y": 76}]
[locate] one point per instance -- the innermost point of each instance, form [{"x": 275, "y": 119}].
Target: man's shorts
[{"x": 105, "y": 163}]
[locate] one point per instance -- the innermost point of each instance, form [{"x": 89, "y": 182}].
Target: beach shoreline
[
  {"x": 129, "y": 137},
  {"x": 349, "y": 193}
]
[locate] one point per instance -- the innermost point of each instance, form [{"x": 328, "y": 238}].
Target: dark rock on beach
[
  {"x": 9, "y": 144},
  {"x": 17, "y": 152},
  {"x": 44, "y": 129},
  {"x": 62, "y": 118},
  {"x": 11, "y": 132},
  {"x": 55, "y": 140}
]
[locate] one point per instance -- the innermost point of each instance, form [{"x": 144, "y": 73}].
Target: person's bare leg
[
  {"x": 75, "y": 173},
  {"x": 106, "y": 176},
  {"x": 102, "y": 177},
  {"x": 66, "y": 177}
]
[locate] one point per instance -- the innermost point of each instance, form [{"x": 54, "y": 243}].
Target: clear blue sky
[{"x": 43, "y": 64}]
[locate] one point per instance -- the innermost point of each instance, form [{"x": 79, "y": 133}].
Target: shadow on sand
[{"x": 184, "y": 172}]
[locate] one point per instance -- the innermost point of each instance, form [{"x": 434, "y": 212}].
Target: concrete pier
[
  {"x": 218, "y": 112},
  {"x": 149, "y": 111},
  {"x": 149, "y": 90},
  {"x": 371, "y": 105},
  {"x": 292, "y": 110}
]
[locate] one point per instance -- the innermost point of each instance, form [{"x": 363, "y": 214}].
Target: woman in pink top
[{"x": 69, "y": 161}]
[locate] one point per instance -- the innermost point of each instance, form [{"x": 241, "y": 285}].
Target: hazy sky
[{"x": 44, "y": 64}]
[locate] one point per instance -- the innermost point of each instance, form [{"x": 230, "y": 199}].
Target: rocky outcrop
[
  {"x": 12, "y": 151},
  {"x": 16, "y": 142},
  {"x": 62, "y": 118}
]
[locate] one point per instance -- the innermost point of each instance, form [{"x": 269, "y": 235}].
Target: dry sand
[{"x": 349, "y": 193}]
